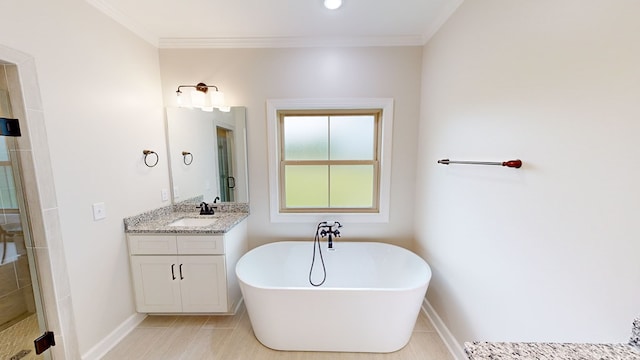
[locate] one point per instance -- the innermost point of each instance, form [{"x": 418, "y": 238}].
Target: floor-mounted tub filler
[{"x": 369, "y": 302}]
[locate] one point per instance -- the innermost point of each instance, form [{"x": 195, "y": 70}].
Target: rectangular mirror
[{"x": 208, "y": 154}]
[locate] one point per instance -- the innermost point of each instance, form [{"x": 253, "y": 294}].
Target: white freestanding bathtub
[{"x": 369, "y": 302}]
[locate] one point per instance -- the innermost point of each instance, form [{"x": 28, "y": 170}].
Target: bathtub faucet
[{"x": 330, "y": 229}]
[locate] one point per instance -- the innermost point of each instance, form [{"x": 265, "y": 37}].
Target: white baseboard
[
  {"x": 449, "y": 340},
  {"x": 111, "y": 340}
]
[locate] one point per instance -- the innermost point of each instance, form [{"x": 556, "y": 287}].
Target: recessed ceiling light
[{"x": 332, "y": 4}]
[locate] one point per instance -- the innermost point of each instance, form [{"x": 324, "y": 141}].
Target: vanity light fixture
[
  {"x": 332, "y": 4},
  {"x": 201, "y": 97}
]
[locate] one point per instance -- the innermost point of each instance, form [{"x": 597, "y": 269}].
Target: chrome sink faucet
[{"x": 330, "y": 229}]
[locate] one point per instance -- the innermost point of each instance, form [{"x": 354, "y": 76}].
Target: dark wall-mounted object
[
  {"x": 9, "y": 127},
  {"x": 187, "y": 157},
  {"x": 509, "y": 163},
  {"x": 148, "y": 162}
]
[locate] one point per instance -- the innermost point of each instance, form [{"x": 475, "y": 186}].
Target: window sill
[{"x": 317, "y": 217}]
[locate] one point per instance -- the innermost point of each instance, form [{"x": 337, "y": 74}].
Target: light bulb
[
  {"x": 184, "y": 99},
  {"x": 332, "y": 4},
  {"x": 217, "y": 99},
  {"x": 198, "y": 98}
]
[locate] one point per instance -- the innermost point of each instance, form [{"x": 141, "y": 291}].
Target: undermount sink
[{"x": 194, "y": 222}]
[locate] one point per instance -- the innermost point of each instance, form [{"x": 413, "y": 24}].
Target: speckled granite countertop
[
  {"x": 635, "y": 333},
  {"x": 556, "y": 351},
  {"x": 157, "y": 221},
  {"x": 550, "y": 351}
]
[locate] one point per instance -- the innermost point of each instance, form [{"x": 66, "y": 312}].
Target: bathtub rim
[{"x": 323, "y": 288}]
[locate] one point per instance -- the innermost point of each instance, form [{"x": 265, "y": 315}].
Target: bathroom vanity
[{"x": 183, "y": 263}]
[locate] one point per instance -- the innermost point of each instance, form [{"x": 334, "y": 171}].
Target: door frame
[{"x": 41, "y": 203}]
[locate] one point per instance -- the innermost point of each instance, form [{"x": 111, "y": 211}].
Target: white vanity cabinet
[{"x": 187, "y": 272}]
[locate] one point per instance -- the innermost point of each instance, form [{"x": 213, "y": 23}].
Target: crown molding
[
  {"x": 289, "y": 42},
  {"x": 444, "y": 13},
  {"x": 125, "y": 21}
]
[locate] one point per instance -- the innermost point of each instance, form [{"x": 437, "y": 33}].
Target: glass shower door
[
  {"x": 21, "y": 314},
  {"x": 225, "y": 164}
]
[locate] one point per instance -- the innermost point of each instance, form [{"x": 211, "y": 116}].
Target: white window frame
[{"x": 275, "y": 105}]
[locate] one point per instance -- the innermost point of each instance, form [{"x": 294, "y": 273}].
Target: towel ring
[
  {"x": 146, "y": 154},
  {"x": 187, "y": 155}
]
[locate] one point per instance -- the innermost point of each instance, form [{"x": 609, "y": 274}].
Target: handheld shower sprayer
[{"x": 324, "y": 229}]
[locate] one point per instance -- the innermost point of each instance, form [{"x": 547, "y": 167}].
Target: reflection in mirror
[{"x": 208, "y": 154}]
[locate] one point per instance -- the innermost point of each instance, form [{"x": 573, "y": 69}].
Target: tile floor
[
  {"x": 231, "y": 337},
  {"x": 18, "y": 339}
]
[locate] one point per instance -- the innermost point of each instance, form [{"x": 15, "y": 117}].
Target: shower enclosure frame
[{"x": 47, "y": 248}]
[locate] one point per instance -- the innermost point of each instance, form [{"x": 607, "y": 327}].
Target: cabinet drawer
[
  {"x": 152, "y": 244},
  {"x": 200, "y": 244}
]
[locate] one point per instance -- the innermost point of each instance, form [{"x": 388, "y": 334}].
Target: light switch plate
[
  {"x": 165, "y": 194},
  {"x": 99, "y": 211}
]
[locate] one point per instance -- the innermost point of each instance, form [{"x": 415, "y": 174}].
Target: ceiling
[{"x": 279, "y": 23}]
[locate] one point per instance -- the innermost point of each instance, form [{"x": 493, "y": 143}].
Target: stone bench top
[
  {"x": 550, "y": 351},
  {"x": 556, "y": 351}
]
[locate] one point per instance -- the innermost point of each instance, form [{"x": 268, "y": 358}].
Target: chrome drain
[{"x": 20, "y": 355}]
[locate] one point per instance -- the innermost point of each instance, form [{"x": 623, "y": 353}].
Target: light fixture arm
[
  {"x": 202, "y": 98},
  {"x": 200, "y": 87}
]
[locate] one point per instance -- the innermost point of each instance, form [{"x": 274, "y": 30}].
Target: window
[{"x": 329, "y": 160}]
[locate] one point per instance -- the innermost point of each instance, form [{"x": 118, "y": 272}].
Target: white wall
[
  {"x": 548, "y": 252},
  {"x": 100, "y": 90},
  {"x": 249, "y": 77}
]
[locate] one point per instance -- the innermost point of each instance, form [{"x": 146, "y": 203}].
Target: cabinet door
[
  {"x": 156, "y": 283},
  {"x": 203, "y": 283}
]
